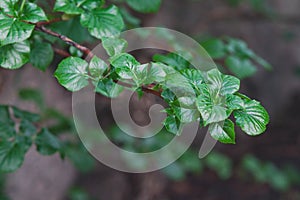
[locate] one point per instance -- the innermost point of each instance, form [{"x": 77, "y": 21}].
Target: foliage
[{"x": 207, "y": 97}]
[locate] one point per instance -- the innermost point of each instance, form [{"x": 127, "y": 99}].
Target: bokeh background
[{"x": 263, "y": 167}]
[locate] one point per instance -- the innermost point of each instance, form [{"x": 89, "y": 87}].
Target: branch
[
  {"x": 145, "y": 88},
  {"x": 64, "y": 38},
  {"x": 61, "y": 52}
]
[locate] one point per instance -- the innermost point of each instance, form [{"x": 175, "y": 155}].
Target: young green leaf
[
  {"x": 172, "y": 59},
  {"x": 14, "y": 56},
  {"x": 223, "y": 84},
  {"x": 72, "y": 73},
  {"x": 211, "y": 110},
  {"x": 114, "y": 46},
  {"x": 76, "y": 7},
  {"x": 253, "y": 118},
  {"x": 223, "y": 131},
  {"x": 173, "y": 125},
  {"x": 103, "y": 23},
  {"x": 97, "y": 67}
]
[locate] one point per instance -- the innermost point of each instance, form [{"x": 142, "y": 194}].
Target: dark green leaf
[
  {"x": 103, "y": 23},
  {"x": 109, "y": 88},
  {"x": 11, "y": 156},
  {"x": 72, "y": 73},
  {"x": 240, "y": 68},
  {"x": 214, "y": 47},
  {"x": 41, "y": 55},
  {"x": 21, "y": 114},
  {"x": 7, "y": 126},
  {"x": 253, "y": 118},
  {"x": 27, "y": 128},
  {"x": 145, "y": 6},
  {"x": 14, "y": 56},
  {"x": 47, "y": 143}
]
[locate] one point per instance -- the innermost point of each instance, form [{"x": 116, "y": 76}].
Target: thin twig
[
  {"x": 42, "y": 23},
  {"x": 64, "y": 38},
  {"x": 61, "y": 52}
]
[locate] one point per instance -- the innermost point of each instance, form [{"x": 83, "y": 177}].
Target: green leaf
[
  {"x": 223, "y": 84},
  {"x": 172, "y": 59},
  {"x": 114, "y": 46},
  {"x": 33, "y": 95},
  {"x": 186, "y": 115},
  {"x": 41, "y": 55},
  {"x": 72, "y": 73},
  {"x": 27, "y": 128},
  {"x": 234, "y": 102},
  {"x": 145, "y": 6},
  {"x": 75, "y": 52},
  {"x": 11, "y": 156},
  {"x": 173, "y": 125},
  {"x": 8, "y": 6},
  {"x": 223, "y": 131},
  {"x": 211, "y": 107},
  {"x": 21, "y": 114},
  {"x": 129, "y": 18},
  {"x": 14, "y": 56},
  {"x": 47, "y": 143},
  {"x": 7, "y": 126},
  {"x": 215, "y": 48},
  {"x": 240, "y": 68},
  {"x": 97, "y": 67},
  {"x": 103, "y": 23},
  {"x": 194, "y": 76},
  {"x": 109, "y": 88},
  {"x": 253, "y": 118},
  {"x": 155, "y": 74},
  {"x": 76, "y": 7},
  {"x": 32, "y": 13},
  {"x": 13, "y": 30}
]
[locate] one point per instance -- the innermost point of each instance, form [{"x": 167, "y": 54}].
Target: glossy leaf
[
  {"x": 223, "y": 131},
  {"x": 114, "y": 46},
  {"x": 14, "y": 56},
  {"x": 97, "y": 67},
  {"x": 211, "y": 110},
  {"x": 173, "y": 125},
  {"x": 75, "y": 7},
  {"x": 172, "y": 59},
  {"x": 103, "y": 23},
  {"x": 223, "y": 84},
  {"x": 72, "y": 73},
  {"x": 32, "y": 13},
  {"x": 253, "y": 118},
  {"x": 13, "y": 30}
]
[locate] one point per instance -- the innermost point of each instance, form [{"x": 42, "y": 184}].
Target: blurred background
[{"x": 262, "y": 167}]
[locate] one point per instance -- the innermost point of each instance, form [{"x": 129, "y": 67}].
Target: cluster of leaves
[
  {"x": 19, "y": 130},
  {"x": 235, "y": 55},
  {"x": 208, "y": 98}
]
